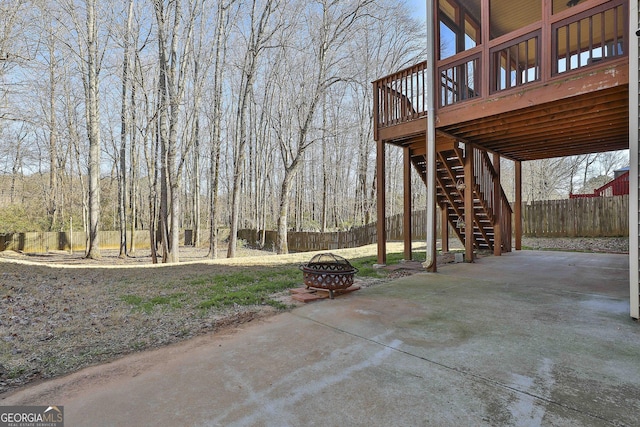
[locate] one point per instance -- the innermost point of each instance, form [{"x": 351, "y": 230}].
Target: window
[
  {"x": 448, "y": 41},
  {"x": 459, "y": 29}
]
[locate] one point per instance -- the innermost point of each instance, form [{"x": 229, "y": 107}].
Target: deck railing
[
  {"x": 484, "y": 175},
  {"x": 584, "y": 39},
  {"x": 516, "y": 62},
  {"x": 460, "y": 80},
  {"x": 492, "y": 196},
  {"x": 595, "y": 35},
  {"x": 505, "y": 222},
  {"x": 617, "y": 187},
  {"x": 401, "y": 97}
]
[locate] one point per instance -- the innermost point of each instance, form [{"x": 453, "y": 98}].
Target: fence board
[
  {"x": 359, "y": 236},
  {"x": 37, "y": 242},
  {"x": 581, "y": 217}
]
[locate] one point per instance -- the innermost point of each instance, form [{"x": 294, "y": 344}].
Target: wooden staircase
[{"x": 451, "y": 188}]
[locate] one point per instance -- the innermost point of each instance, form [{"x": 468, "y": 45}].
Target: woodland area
[{"x": 170, "y": 114}]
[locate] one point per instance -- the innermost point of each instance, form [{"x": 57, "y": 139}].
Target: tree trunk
[
  {"x": 282, "y": 246},
  {"x": 256, "y": 44},
  {"x": 52, "y": 205},
  {"x": 214, "y": 166},
  {"x": 134, "y": 156},
  {"x": 93, "y": 128},
  {"x": 122, "y": 180}
]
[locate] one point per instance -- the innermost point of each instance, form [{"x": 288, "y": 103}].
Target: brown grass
[{"x": 60, "y": 312}]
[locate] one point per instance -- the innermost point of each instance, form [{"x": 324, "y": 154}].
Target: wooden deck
[
  {"x": 553, "y": 87},
  {"x": 542, "y": 111},
  {"x": 527, "y": 126}
]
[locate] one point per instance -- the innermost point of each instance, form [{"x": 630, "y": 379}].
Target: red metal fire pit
[{"x": 328, "y": 271}]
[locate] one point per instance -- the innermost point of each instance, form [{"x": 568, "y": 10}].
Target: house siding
[{"x": 634, "y": 131}]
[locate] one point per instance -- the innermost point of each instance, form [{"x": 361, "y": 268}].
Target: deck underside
[
  {"x": 586, "y": 113},
  {"x": 587, "y": 123}
]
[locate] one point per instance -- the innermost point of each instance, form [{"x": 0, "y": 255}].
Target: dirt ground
[{"x": 60, "y": 312}]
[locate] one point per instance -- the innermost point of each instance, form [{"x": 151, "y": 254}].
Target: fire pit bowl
[{"x": 328, "y": 271}]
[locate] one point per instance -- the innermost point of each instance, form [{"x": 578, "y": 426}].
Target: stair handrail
[
  {"x": 487, "y": 165},
  {"x": 485, "y": 175}
]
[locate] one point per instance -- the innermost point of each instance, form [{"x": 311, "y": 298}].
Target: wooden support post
[
  {"x": 485, "y": 76},
  {"x": 407, "y": 204},
  {"x": 518, "y": 206},
  {"x": 497, "y": 208},
  {"x": 468, "y": 203},
  {"x": 381, "y": 200},
  {"x": 444, "y": 230}
]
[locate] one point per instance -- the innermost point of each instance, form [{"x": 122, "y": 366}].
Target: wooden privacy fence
[
  {"x": 38, "y": 242},
  {"x": 359, "y": 236},
  {"x": 583, "y": 217}
]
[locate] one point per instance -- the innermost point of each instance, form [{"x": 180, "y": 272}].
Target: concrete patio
[{"x": 529, "y": 338}]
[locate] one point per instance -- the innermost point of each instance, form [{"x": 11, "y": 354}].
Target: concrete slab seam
[{"x": 471, "y": 375}]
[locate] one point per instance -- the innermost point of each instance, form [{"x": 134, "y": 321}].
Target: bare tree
[
  {"x": 611, "y": 160},
  {"x": 259, "y": 35},
  {"x": 173, "y": 65},
  {"x": 124, "y": 128},
  {"x": 382, "y": 52},
  {"x": 332, "y": 30},
  {"x": 219, "y": 58},
  {"x": 589, "y": 160},
  {"x": 92, "y": 100},
  {"x": 11, "y": 26},
  {"x": 260, "y": 82},
  {"x": 574, "y": 166},
  {"x": 81, "y": 24}
]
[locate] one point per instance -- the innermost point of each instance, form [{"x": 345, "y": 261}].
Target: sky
[{"x": 419, "y": 8}]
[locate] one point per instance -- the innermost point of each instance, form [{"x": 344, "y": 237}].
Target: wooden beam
[
  {"x": 612, "y": 75},
  {"x": 381, "y": 202},
  {"x": 563, "y": 110},
  {"x": 497, "y": 208},
  {"x": 442, "y": 144},
  {"x": 485, "y": 37},
  {"x": 545, "y": 49},
  {"x": 588, "y": 128},
  {"x": 534, "y": 153},
  {"x": 376, "y": 108},
  {"x": 566, "y": 106},
  {"x": 444, "y": 229},
  {"x": 403, "y": 130},
  {"x": 468, "y": 203},
  {"x": 612, "y": 119},
  {"x": 407, "y": 204}
]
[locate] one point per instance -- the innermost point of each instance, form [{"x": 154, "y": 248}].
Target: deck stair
[{"x": 451, "y": 188}]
